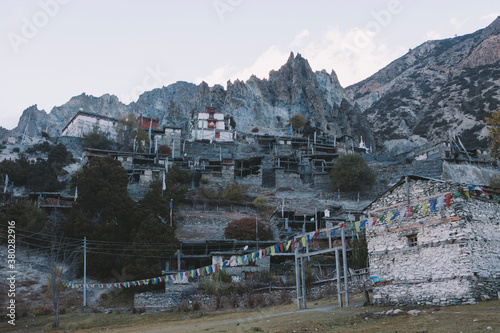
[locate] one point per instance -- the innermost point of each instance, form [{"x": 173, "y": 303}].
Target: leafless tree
[{"x": 63, "y": 255}]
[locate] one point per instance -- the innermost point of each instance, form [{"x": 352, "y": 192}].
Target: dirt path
[{"x": 231, "y": 325}]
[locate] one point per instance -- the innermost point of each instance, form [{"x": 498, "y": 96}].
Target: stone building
[
  {"x": 434, "y": 243},
  {"x": 212, "y": 125},
  {"x": 83, "y": 122}
]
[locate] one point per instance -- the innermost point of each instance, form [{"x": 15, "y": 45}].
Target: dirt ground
[{"x": 321, "y": 316}]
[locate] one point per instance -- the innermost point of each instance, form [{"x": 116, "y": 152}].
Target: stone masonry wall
[
  {"x": 322, "y": 181},
  {"x": 287, "y": 179},
  {"x": 457, "y": 255},
  {"x": 251, "y": 180}
]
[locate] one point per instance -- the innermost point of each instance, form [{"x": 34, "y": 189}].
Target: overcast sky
[{"x": 52, "y": 50}]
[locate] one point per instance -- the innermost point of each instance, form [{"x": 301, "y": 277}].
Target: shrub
[
  {"x": 264, "y": 276},
  {"x": 245, "y": 229},
  {"x": 235, "y": 302},
  {"x": 255, "y": 130},
  {"x": 285, "y": 297},
  {"x": 15, "y": 150},
  {"x": 351, "y": 173},
  {"x": 260, "y": 203},
  {"x": 495, "y": 180},
  {"x": 222, "y": 276},
  {"x": 233, "y": 192},
  {"x": 196, "y": 306},
  {"x": 164, "y": 150},
  {"x": 184, "y": 306},
  {"x": 298, "y": 121},
  {"x": 204, "y": 180},
  {"x": 207, "y": 193},
  {"x": 97, "y": 139}
]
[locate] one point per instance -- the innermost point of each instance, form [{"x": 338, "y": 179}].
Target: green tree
[
  {"x": 59, "y": 157},
  {"x": 41, "y": 177},
  {"x": 246, "y": 229},
  {"x": 297, "y": 121},
  {"x": 154, "y": 213},
  {"x": 17, "y": 170},
  {"x": 158, "y": 204},
  {"x": 176, "y": 183},
  {"x": 97, "y": 139},
  {"x": 142, "y": 139},
  {"x": 351, "y": 173},
  {"x": 128, "y": 130},
  {"x": 28, "y": 216},
  {"x": 359, "y": 257},
  {"x": 153, "y": 241},
  {"x": 233, "y": 192},
  {"x": 494, "y": 135},
  {"x": 103, "y": 212}
]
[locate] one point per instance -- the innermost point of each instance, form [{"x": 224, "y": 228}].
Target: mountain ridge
[
  {"x": 452, "y": 82},
  {"x": 440, "y": 88}
]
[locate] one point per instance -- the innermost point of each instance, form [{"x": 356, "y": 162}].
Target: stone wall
[
  {"x": 287, "y": 179},
  {"x": 153, "y": 301},
  {"x": 322, "y": 181},
  {"x": 456, "y": 258},
  {"x": 468, "y": 173},
  {"x": 250, "y": 180},
  {"x": 389, "y": 174}
]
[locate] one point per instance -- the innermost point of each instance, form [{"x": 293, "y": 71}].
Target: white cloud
[
  {"x": 354, "y": 55},
  {"x": 271, "y": 59},
  {"x": 433, "y": 35},
  {"x": 458, "y": 23},
  {"x": 299, "y": 39}
]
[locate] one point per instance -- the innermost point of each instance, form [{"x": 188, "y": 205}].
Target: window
[{"x": 412, "y": 240}]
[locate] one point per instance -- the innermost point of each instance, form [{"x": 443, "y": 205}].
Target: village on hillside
[{"x": 424, "y": 232}]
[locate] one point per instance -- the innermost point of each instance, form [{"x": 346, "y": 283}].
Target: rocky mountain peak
[{"x": 296, "y": 68}]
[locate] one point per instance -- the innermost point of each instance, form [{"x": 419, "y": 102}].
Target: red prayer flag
[
  {"x": 409, "y": 212},
  {"x": 447, "y": 199}
]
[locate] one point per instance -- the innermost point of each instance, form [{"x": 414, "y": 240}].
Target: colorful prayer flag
[
  {"x": 424, "y": 207},
  {"x": 447, "y": 199}
]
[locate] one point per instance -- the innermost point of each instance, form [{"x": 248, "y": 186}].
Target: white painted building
[
  {"x": 84, "y": 122},
  {"x": 212, "y": 125},
  {"x": 432, "y": 242}
]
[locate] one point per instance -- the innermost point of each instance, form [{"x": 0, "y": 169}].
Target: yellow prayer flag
[
  {"x": 357, "y": 224},
  {"x": 388, "y": 217},
  {"x": 303, "y": 240},
  {"x": 424, "y": 207}
]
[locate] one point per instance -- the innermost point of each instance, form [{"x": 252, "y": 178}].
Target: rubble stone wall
[
  {"x": 456, "y": 258},
  {"x": 287, "y": 179}
]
